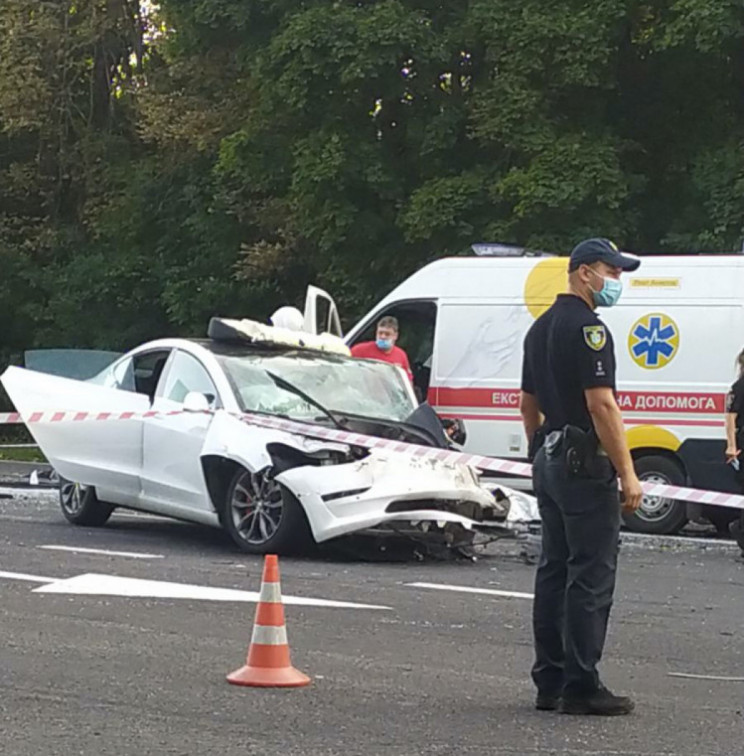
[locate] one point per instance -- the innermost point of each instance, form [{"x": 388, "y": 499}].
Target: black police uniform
[
  {"x": 567, "y": 350},
  {"x": 735, "y": 404}
]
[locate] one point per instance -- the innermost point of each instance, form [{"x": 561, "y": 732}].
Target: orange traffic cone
[{"x": 268, "y": 664}]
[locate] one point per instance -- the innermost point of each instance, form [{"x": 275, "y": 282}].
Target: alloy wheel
[
  {"x": 256, "y": 506},
  {"x": 72, "y": 497}
]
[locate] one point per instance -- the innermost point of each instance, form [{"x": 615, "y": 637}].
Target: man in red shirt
[{"x": 384, "y": 348}]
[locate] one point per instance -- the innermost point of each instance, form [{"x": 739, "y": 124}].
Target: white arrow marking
[
  {"x": 23, "y": 576},
  {"x": 462, "y": 589},
  {"x": 104, "y": 552},
  {"x": 92, "y": 584}
]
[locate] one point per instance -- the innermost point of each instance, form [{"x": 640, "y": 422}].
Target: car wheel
[
  {"x": 81, "y": 506},
  {"x": 262, "y": 516},
  {"x": 658, "y": 514}
]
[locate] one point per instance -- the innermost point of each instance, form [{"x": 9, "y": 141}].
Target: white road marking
[
  {"x": 639, "y": 538},
  {"x": 104, "y": 552},
  {"x": 722, "y": 678},
  {"x": 92, "y": 584},
  {"x": 467, "y": 589},
  {"x": 28, "y": 578}
]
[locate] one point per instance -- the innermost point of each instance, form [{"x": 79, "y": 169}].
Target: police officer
[
  {"x": 735, "y": 441},
  {"x": 578, "y": 443}
]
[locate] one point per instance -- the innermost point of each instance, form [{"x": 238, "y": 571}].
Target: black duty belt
[{"x": 579, "y": 449}]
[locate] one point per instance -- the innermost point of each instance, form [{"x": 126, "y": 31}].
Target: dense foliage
[{"x": 162, "y": 164}]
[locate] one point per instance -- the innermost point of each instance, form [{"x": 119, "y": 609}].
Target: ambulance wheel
[{"x": 658, "y": 514}]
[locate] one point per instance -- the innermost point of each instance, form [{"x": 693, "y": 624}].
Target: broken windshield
[{"x": 356, "y": 387}]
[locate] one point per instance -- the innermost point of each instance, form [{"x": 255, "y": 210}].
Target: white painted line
[
  {"x": 466, "y": 589},
  {"x": 678, "y": 540},
  {"x": 103, "y": 552},
  {"x": 92, "y": 584},
  {"x": 27, "y": 578},
  {"x": 689, "y": 675}
]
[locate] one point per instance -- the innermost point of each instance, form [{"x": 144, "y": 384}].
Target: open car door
[
  {"x": 80, "y": 364},
  {"x": 102, "y": 453},
  {"x": 321, "y": 313}
]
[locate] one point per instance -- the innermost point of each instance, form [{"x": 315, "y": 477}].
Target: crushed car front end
[{"x": 388, "y": 487}]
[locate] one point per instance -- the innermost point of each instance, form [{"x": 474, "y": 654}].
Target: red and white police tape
[
  {"x": 492, "y": 464},
  {"x": 14, "y": 418}
]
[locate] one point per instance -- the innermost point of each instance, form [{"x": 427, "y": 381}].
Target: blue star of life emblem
[{"x": 656, "y": 341}]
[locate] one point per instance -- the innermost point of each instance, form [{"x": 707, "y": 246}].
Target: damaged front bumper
[{"x": 398, "y": 492}]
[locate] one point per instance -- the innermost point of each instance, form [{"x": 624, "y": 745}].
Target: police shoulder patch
[{"x": 595, "y": 337}]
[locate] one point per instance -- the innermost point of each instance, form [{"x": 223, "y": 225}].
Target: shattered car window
[{"x": 356, "y": 387}]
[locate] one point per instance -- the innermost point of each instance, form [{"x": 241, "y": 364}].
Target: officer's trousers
[
  {"x": 736, "y": 528},
  {"x": 575, "y": 578}
]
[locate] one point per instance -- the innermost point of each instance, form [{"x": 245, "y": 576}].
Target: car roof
[{"x": 237, "y": 349}]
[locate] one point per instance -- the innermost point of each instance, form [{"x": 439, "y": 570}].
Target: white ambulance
[{"x": 678, "y": 328}]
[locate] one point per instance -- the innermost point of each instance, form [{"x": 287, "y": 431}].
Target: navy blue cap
[{"x": 600, "y": 250}]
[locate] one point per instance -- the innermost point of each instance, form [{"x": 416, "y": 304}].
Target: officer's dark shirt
[
  {"x": 567, "y": 349},
  {"x": 735, "y": 403}
]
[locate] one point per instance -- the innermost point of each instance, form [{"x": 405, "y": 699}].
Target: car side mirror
[{"x": 195, "y": 401}]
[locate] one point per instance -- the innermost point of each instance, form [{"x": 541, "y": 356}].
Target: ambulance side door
[
  {"x": 417, "y": 321},
  {"x": 477, "y": 370}
]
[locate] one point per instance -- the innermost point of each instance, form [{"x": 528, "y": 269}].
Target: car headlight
[{"x": 331, "y": 452}]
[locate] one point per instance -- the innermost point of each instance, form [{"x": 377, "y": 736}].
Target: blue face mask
[
  {"x": 384, "y": 344},
  {"x": 609, "y": 294}
]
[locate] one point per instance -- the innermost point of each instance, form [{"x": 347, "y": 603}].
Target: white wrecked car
[{"x": 271, "y": 490}]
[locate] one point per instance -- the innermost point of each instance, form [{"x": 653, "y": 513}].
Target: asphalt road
[{"x": 438, "y": 672}]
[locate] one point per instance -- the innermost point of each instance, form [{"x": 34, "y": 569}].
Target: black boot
[
  {"x": 600, "y": 703},
  {"x": 547, "y": 701},
  {"x": 735, "y": 528}
]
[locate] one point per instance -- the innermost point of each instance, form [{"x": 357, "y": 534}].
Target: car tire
[
  {"x": 657, "y": 515},
  {"x": 262, "y": 516},
  {"x": 81, "y": 506}
]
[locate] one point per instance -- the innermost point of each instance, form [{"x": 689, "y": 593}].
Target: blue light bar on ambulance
[{"x": 507, "y": 250}]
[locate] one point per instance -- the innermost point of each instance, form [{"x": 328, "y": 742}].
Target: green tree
[
  {"x": 158, "y": 166},
  {"x": 373, "y": 136}
]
